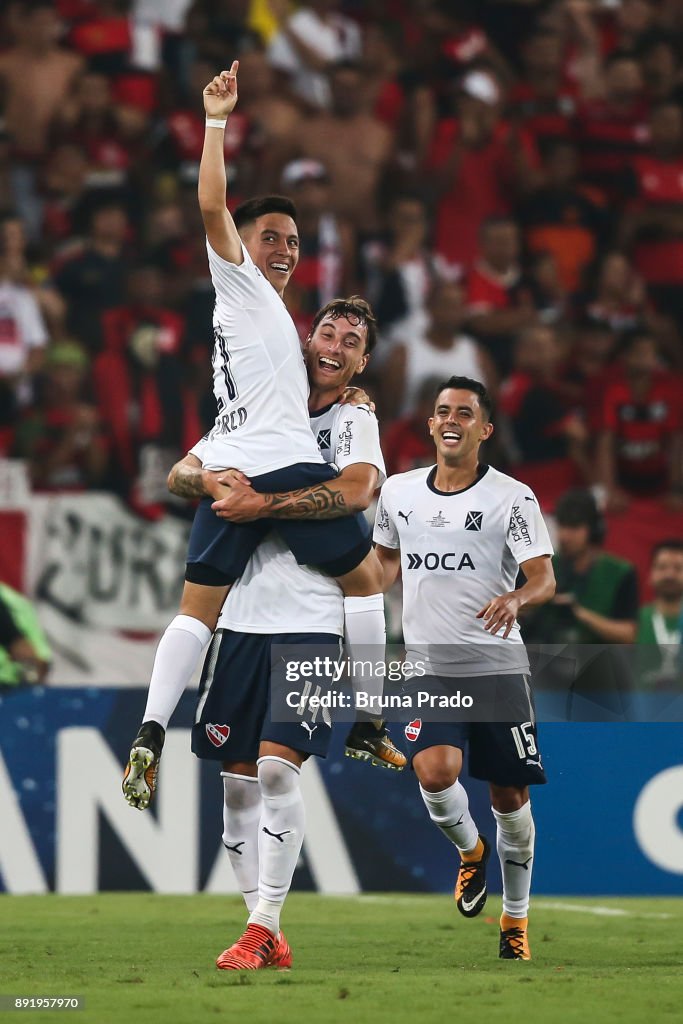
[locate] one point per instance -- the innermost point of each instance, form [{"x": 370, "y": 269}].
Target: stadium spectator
[
  {"x": 498, "y": 302},
  {"x": 653, "y": 224},
  {"x": 406, "y": 443},
  {"x": 24, "y": 651},
  {"x": 37, "y": 75},
  {"x": 544, "y": 99},
  {"x": 639, "y": 444},
  {"x": 476, "y": 165},
  {"x": 660, "y": 622},
  {"x": 399, "y": 267},
  {"x": 660, "y": 67},
  {"x": 310, "y": 40},
  {"x": 440, "y": 348},
  {"x": 355, "y": 146},
  {"x": 142, "y": 393},
  {"x": 23, "y": 338},
  {"x": 91, "y": 280},
  {"x": 587, "y": 369},
  {"x": 548, "y": 436},
  {"x": 616, "y": 294},
  {"x": 612, "y": 127},
  {"x": 60, "y": 435},
  {"x": 327, "y": 243},
  {"x": 596, "y": 601},
  {"x": 563, "y": 216}
]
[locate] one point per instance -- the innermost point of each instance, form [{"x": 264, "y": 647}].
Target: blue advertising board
[{"x": 610, "y": 821}]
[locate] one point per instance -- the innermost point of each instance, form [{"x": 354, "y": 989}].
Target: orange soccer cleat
[
  {"x": 256, "y": 948},
  {"x": 514, "y": 942}
]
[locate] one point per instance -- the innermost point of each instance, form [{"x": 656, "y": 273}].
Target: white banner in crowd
[{"x": 105, "y": 583}]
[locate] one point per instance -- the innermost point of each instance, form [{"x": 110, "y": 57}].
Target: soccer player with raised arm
[
  {"x": 276, "y": 601},
  {"x": 261, "y": 429},
  {"x": 459, "y": 531}
]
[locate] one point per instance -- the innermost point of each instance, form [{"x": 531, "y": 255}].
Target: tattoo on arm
[
  {"x": 320, "y": 502},
  {"x": 187, "y": 482}
]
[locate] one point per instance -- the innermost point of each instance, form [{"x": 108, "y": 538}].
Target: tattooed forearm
[
  {"x": 186, "y": 482},
  {"x": 324, "y": 501}
]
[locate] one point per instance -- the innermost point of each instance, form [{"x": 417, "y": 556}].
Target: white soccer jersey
[
  {"x": 348, "y": 434},
  {"x": 277, "y": 595},
  {"x": 259, "y": 377},
  {"x": 458, "y": 551}
]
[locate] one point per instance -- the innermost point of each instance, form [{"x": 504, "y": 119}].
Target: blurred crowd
[{"x": 502, "y": 179}]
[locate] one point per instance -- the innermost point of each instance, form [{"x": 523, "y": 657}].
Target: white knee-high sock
[
  {"x": 450, "y": 811},
  {"x": 281, "y": 835},
  {"x": 515, "y": 843},
  {"x": 365, "y": 635},
  {"x": 174, "y": 662},
  {"x": 241, "y": 815}
]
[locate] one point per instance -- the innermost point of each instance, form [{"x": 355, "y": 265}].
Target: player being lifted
[
  {"x": 459, "y": 531},
  {"x": 236, "y": 724},
  {"x": 261, "y": 429}
]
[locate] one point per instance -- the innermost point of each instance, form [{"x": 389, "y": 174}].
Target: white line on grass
[
  {"x": 599, "y": 911},
  {"x": 577, "y": 908}
]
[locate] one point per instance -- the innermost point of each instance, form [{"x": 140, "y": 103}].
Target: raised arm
[{"x": 220, "y": 97}]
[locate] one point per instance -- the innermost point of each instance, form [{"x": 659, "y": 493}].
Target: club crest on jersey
[
  {"x": 217, "y": 734},
  {"x": 412, "y": 730},
  {"x": 439, "y": 520},
  {"x": 324, "y": 439},
  {"x": 473, "y": 520}
]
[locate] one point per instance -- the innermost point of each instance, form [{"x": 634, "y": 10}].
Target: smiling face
[
  {"x": 459, "y": 425},
  {"x": 272, "y": 241},
  {"x": 335, "y": 352}
]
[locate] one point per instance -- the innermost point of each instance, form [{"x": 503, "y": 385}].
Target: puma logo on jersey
[
  {"x": 406, "y": 515},
  {"x": 432, "y": 561},
  {"x": 310, "y": 729}
]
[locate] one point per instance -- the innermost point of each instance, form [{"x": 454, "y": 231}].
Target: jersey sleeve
[
  {"x": 527, "y": 535},
  {"x": 385, "y": 532},
  {"x": 198, "y": 449},
  {"x": 236, "y": 286},
  {"x": 358, "y": 440}
]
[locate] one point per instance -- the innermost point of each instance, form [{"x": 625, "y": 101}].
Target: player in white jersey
[
  {"x": 261, "y": 429},
  {"x": 459, "y": 531},
  {"x": 277, "y": 601}
]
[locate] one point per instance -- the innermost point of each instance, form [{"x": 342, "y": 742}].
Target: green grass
[{"x": 385, "y": 960}]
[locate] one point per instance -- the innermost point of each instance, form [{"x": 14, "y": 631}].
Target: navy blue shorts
[
  {"x": 218, "y": 550},
  {"x": 235, "y": 703},
  {"x": 504, "y": 753}
]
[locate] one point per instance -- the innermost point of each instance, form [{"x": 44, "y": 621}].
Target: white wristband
[{"x": 216, "y": 122}]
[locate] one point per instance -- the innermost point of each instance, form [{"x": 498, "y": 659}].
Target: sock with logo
[
  {"x": 281, "y": 836},
  {"x": 515, "y": 844},
  {"x": 242, "y": 809},
  {"x": 175, "y": 660},
  {"x": 449, "y": 810},
  {"x": 365, "y": 636}
]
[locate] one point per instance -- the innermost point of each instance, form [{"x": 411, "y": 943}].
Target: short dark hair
[
  {"x": 354, "y": 308},
  {"x": 469, "y": 384},
  {"x": 673, "y": 544},
  {"x": 250, "y": 210}
]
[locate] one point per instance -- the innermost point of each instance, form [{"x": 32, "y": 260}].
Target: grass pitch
[{"x": 380, "y": 959}]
